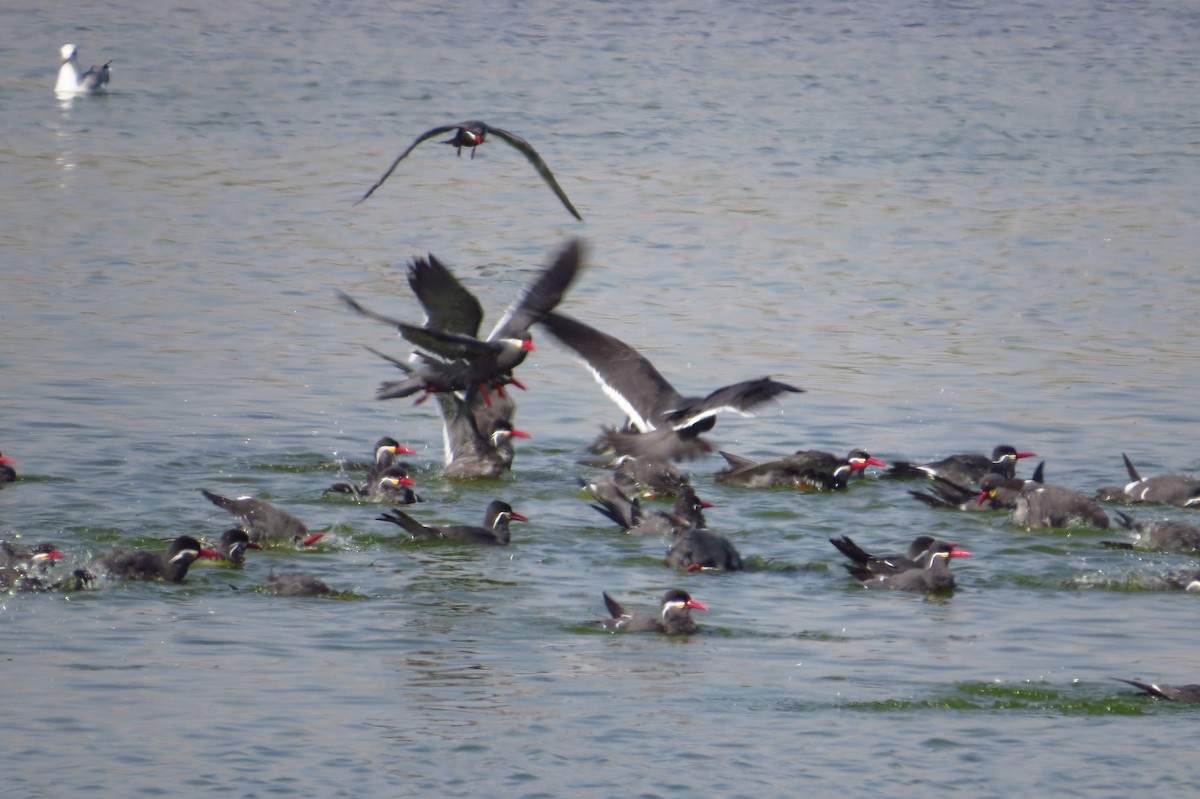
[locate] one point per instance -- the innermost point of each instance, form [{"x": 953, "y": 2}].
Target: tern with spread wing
[
  {"x": 663, "y": 424},
  {"x": 455, "y": 359},
  {"x": 472, "y": 134}
]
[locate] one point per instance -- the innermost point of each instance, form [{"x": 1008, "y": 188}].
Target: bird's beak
[
  {"x": 694, "y": 605},
  {"x": 51, "y": 555},
  {"x": 520, "y": 434},
  {"x": 516, "y": 517},
  {"x": 312, "y": 539}
]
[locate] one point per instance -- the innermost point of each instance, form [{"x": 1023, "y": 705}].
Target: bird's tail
[
  {"x": 850, "y": 549},
  {"x": 405, "y": 521}
]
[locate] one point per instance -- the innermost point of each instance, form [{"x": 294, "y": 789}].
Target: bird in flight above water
[{"x": 472, "y": 134}]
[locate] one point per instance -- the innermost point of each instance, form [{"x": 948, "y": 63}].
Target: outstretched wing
[
  {"x": 427, "y": 135},
  {"x": 447, "y": 345},
  {"x": 399, "y": 364},
  {"x": 629, "y": 380},
  {"x": 359, "y": 308},
  {"x": 448, "y": 305},
  {"x": 526, "y": 149},
  {"x": 542, "y": 296},
  {"x": 740, "y": 398}
]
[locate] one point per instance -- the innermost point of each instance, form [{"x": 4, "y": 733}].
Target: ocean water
[{"x": 954, "y": 224}]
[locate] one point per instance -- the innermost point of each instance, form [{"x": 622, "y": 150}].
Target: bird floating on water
[{"x": 71, "y": 82}]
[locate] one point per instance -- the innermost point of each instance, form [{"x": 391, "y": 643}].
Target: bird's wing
[
  {"x": 460, "y": 433},
  {"x": 626, "y": 376},
  {"x": 448, "y": 345},
  {"x": 1133, "y": 473},
  {"x": 449, "y": 306},
  {"x": 95, "y": 77},
  {"x": 542, "y": 296},
  {"x": 614, "y": 608},
  {"x": 429, "y": 134},
  {"x": 737, "y": 462},
  {"x": 361, "y": 309},
  {"x": 526, "y": 149},
  {"x": 740, "y": 398},
  {"x": 399, "y": 364}
]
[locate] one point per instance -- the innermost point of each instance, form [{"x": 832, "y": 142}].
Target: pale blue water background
[{"x": 955, "y": 224}]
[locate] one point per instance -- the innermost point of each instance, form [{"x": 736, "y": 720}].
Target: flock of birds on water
[{"x": 470, "y": 378}]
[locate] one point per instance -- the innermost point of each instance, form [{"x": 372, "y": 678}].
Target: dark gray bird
[
  {"x": 23, "y": 568},
  {"x": 296, "y": 584},
  {"x": 1040, "y": 505},
  {"x": 702, "y": 549},
  {"x": 477, "y": 434},
  {"x": 472, "y": 134},
  {"x": 477, "y": 437},
  {"x": 7, "y": 473},
  {"x": 264, "y": 522},
  {"x": 890, "y": 564},
  {"x": 693, "y": 546},
  {"x": 1163, "y": 536},
  {"x": 674, "y": 616},
  {"x": 13, "y": 555},
  {"x": 648, "y": 477},
  {"x": 232, "y": 546},
  {"x": 494, "y": 531},
  {"x": 965, "y": 470},
  {"x": 633, "y": 520},
  {"x": 392, "y": 485},
  {"x": 1187, "y": 579},
  {"x": 926, "y": 573},
  {"x": 455, "y": 359},
  {"x": 1001, "y": 495},
  {"x": 1180, "y": 490},
  {"x": 663, "y": 424},
  {"x": 810, "y": 470},
  {"x": 139, "y": 564},
  {"x": 387, "y": 449},
  {"x": 477, "y": 429},
  {"x": 1174, "y": 693}
]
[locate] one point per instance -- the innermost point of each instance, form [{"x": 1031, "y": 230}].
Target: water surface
[{"x": 955, "y": 225}]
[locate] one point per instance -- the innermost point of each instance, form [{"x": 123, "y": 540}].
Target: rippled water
[{"x": 955, "y": 224}]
